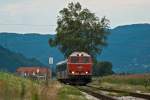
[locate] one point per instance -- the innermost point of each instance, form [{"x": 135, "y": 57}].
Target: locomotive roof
[
  {"x": 61, "y": 62},
  {"x": 79, "y": 53}
]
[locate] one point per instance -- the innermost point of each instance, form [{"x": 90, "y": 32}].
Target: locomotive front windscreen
[
  {"x": 74, "y": 59},
  {"x": 79, "y": 59},
  {"x": 84, "y": 59}
]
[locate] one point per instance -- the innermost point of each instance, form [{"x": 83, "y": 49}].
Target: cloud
[{"x": 46, "y": 11}]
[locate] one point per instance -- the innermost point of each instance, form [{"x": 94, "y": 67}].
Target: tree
[
  {"x": 80, "y": 30},
  {"x": 102, "y": 68}
]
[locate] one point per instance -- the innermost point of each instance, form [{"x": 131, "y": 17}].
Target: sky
[{"x": 40, "y": 16}]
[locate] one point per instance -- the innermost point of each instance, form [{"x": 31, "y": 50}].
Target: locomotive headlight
[
  {"x": 86, "y": 72},
  {"x": 72, "y": 72}
]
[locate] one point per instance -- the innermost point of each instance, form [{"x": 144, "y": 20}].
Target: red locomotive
[{"x": 77, "y": 69}]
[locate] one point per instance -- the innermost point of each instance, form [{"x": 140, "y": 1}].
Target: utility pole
[
  {"x": 47, "y": 74},
  {"x": 50, "y": 63}
]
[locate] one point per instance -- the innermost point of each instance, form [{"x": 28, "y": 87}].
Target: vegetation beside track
[
  {"x": 133, "y": 83},
  {"x": 13, "y": 87},
  {"x": 68, "y": 92},
  {"x": 17, "y": 88}
]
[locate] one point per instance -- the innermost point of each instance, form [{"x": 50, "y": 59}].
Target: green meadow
[{"x": 134, "y": 83}]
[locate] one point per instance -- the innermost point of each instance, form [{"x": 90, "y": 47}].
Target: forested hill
[
  {"x": 128, "y": 47},
  {"x": 31, "y": 45},
  {"x": 9, "y": 61}
]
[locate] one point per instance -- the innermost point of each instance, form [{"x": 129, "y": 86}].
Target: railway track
[
  {"x": 96, "y": 94},
  {"x": 138, "y": 95}
]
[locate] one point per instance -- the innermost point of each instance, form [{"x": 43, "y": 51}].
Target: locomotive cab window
[
  {"x": 74, "y": 59},
  {"x": 85, "y": 60}
]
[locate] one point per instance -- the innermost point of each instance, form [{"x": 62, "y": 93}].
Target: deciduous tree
[{"x": 80, "y": 30}]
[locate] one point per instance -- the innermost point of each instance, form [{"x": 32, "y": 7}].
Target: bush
[{"x": 102, "y": 68}]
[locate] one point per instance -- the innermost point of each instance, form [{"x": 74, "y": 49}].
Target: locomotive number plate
[{"x": 80, "y": 67}]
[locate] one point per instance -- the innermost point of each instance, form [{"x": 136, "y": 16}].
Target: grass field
[
  {"x": 16, "y": 88},
  {"x": 135, "y": 83}
]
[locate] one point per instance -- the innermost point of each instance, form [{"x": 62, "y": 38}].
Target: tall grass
[{"x": 16, "y": 88}]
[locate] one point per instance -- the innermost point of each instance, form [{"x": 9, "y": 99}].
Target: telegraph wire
[{"x": 38, "y": 25}]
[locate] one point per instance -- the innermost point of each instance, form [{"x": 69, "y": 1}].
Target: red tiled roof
[{"x": 41, "y": 70}]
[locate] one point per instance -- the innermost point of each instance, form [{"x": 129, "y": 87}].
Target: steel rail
[
  {"x": 140, "y": 95},
  {"x": 96, "y": 94}
]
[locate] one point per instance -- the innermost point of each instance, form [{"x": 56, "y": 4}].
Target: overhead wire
[{"x": 41, "y": 25}]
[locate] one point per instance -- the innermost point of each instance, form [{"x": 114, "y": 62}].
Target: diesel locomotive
[{"x": 77, "y": 69}]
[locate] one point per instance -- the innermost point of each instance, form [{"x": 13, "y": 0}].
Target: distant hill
[
  {"x": 9, "y": 61},
  {"x": 31, "y": 45},
  {"x": 128, "y": 47}
]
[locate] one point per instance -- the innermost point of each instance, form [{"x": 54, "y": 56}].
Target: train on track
[{"x": 76, "y": 69}]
